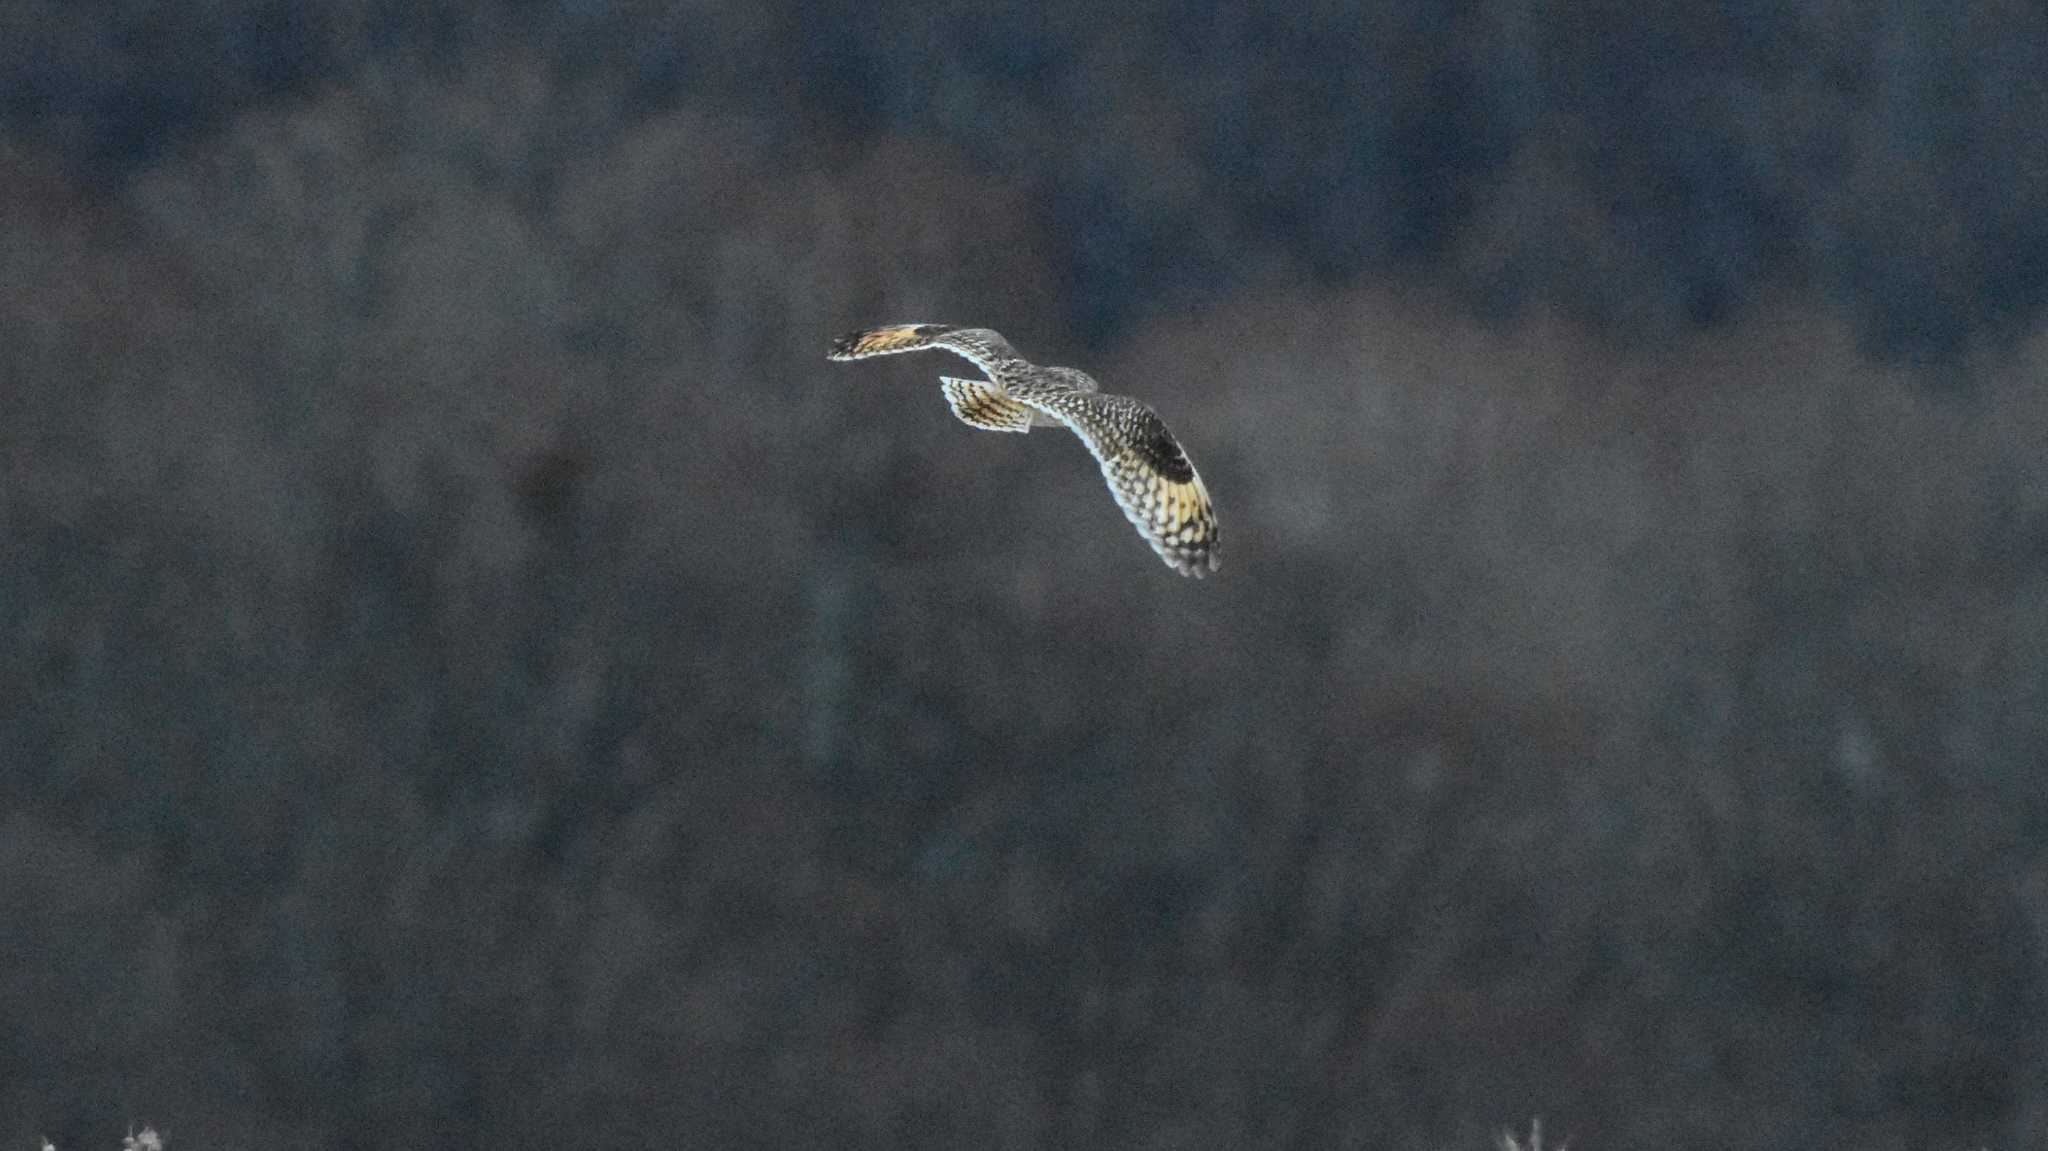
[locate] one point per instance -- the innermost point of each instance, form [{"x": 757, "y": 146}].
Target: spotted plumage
[{"x": 1147, "y": 471}]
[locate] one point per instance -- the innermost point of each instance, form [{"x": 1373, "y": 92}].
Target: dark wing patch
[{"x": 1156, "y": 445}]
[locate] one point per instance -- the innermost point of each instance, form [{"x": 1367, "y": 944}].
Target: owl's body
[{"x": 1147, "y": 471}]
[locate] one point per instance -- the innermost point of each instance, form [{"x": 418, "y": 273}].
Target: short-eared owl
[{"x": 1148, "y": 473}]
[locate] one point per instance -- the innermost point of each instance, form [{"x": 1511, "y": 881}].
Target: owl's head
[{"x": 1074, "y": 378}]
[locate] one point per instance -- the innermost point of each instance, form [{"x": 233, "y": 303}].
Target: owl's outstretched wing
[
  {"x": 1148, "y": 472},
  {"x": 984, "y": 347}
]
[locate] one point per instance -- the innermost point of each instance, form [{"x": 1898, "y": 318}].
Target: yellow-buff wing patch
[{"x": 982, "y": 405}]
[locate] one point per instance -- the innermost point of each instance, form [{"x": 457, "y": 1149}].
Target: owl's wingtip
[
  {"x": 843, "y": 347},
  {"x": 883, "y": 340}
]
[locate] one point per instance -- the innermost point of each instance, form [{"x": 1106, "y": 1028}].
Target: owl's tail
[{"x": 980, "y": 404}]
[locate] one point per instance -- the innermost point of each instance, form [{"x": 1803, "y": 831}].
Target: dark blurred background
[{"x": 475, "y": 675}]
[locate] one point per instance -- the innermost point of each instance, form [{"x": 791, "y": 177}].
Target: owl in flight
[{"x": 1148, "y": 473}]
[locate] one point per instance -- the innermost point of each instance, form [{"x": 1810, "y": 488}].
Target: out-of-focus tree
[
  {"x": 488, "y": 679},
  {"x": 1646, "y": 172}
]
